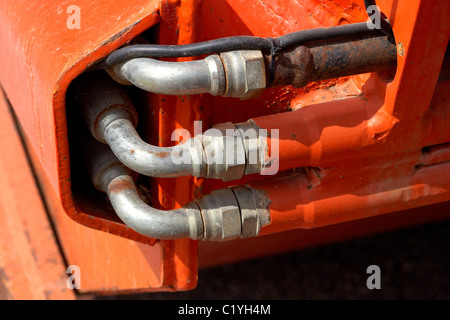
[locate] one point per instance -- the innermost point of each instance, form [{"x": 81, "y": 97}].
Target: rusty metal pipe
[
  {"x": 345, "y": 58},
  {"x": 304, "y": 64},
  {"x": 328, "y": 60}
]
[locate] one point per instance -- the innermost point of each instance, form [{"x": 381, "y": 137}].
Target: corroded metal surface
[{"x": 328, "y": 60}]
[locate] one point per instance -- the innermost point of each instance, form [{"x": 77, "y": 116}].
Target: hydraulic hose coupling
[
  {"x": 221, "y": 215},
  {"x": 225, "y": 152},
  {"x": 240, "y": 74}
]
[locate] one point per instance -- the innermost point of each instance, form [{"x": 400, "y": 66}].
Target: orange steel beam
[{"x": 338, "y": 196}]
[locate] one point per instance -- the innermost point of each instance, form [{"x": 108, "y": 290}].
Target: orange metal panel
[
  {"x": 391, "y": 125},
  {"x": 40, "y": 56},
  {"x": 337, "y": 196},
  {"x": 31, "y": 265}
]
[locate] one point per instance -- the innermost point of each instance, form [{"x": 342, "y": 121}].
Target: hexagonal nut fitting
[
  {"x": 250, "y": 220},
  {"x": 254, "y": 206},
  {"x": 245, "y": 73},
  {"x": 224, "y": 152},
  {"x": 221, "y": 215},
  {"x": 255, "y": 145}
]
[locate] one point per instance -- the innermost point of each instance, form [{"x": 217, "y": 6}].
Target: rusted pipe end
[
  {"x": 324, "y": 60},
  {"x": 293, "y": 67}
]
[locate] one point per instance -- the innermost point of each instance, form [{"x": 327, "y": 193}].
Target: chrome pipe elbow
[
  {"x": 150, "y": 160},
  {"x": 185, "y": 222},
  {"x": 240, "y": 74},
  {"x": 175, "y": 78}
]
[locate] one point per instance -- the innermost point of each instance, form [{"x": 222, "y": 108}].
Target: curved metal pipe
[
  {"x": 150, "y": 160},
  {"x": 175, "y": 78},
  {"x": 239, "y": 74},
  {"x": 221, "y": 153},
  {"x": 109, "y": 175},
  {"x": 185, "y": 222}
]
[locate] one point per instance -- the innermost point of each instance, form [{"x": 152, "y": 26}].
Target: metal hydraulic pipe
[
  {"x": 175, "y": 78},
  {"x": 147, "y": 159},
  {"x": 159, "y": 224},
  {"x": 221, "y": 215},
  {"x": 239, "y": 74},
  {"x": 111, "y": 116},
  {"x": 111, "y": 120},
  {"x": 109, "y": 175}
]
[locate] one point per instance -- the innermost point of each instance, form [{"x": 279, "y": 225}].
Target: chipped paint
[
  {"x": 262, "y": 203},
  {"x": 400, "y": 49}
]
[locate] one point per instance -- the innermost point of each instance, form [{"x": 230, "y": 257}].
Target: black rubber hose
[
  {"x": 384, "y": 25},
  {"x": 185, "y": 50},
  {"x": 233, "y": 43},
  {"x": 300, "y": 37},
  {"x": 369, "y": 3}
]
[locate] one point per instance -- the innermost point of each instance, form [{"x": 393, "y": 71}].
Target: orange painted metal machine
[{"x": 103, "y": 165}]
